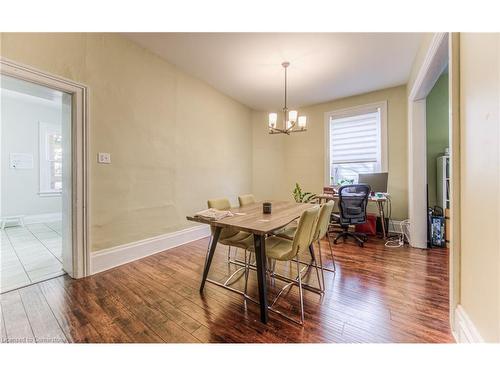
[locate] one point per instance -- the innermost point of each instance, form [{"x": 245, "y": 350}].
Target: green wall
[{"x": 437, "y": 114}]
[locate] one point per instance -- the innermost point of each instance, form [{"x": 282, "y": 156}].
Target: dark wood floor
[{"x": 377, "y": 295}]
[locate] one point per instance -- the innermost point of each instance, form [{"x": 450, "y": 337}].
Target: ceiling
[{"x": 323, "y": 66}]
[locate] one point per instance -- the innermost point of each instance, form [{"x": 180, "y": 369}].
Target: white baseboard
[
  {"x": 42, "y": 218},
  {"x": 109, "y": 258},
  {"x": 465, "y": 330}
]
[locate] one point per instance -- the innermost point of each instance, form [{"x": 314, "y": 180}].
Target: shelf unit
[{"x": 443, "y": 181}]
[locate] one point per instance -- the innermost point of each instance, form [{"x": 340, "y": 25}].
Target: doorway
[
  {"x": 35, "y": 182},
  {"x": 438, "y": 162},
  {"x": 443, "y": 53},
  {"x": 43, "y": 180}
]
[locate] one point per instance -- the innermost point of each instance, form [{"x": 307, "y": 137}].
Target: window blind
[{"x": 355, "y": 139}]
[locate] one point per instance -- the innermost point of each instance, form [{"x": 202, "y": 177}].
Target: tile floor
[{"x": 30, "y": 254}]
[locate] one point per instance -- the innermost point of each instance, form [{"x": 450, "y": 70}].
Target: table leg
[
  {"x": 260, "y": 258},
  {"x": 210, "y": 255},
  {"x": 382, "y": 218}
]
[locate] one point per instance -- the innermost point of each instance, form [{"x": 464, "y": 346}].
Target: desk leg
[
  {"x": 260, "y": 258},
  {"x": 382, "y": 218},
  {"x": 210, "y": 256}
]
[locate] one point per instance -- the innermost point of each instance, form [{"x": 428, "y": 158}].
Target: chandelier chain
[{"x": 285, "y": 108}]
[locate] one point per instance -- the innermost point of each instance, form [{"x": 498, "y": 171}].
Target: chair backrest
[
  {"x": 324, "y": 217},
  {"x": 246, "y": 199},
  {"x": 219, "y": 204},
  {"x": 305, "y": 230},
  {"x": 223, "y": 205},
  {"x": 352, "y": 203}
]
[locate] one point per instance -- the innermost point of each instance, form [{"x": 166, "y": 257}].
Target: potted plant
[{"x": 300, "y": 196}]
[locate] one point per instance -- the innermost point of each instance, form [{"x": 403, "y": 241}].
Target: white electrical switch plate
[{"x": 104, "y": 158}]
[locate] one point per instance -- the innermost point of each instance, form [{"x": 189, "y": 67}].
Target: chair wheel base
[{"x": 360, "y": 238}]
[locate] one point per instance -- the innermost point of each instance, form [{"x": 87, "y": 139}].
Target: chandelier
[{"x": 292, "y": 122}]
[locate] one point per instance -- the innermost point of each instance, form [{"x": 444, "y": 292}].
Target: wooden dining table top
[{"x": 252, "y": 219}]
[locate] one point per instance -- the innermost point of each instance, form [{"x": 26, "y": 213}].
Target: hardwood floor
[{"x": 377, "y": 295}]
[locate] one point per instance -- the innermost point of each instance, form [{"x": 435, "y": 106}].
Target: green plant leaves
[{"x": 301, "y": 197}]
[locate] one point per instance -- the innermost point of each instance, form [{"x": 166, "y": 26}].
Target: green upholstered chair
[
  {"x": 246, "y": 199},
  {"x": 284, "y": 249},
  {"x": 228, "y": 236},
  {"x": 219, "y": 204},
  {"x": 321, "y": 230}
]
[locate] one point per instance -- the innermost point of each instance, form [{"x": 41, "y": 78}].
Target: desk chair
[{"x": 353, "y": 200}]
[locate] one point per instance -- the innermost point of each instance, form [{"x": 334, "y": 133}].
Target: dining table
[{"x": 253, "y": 220}]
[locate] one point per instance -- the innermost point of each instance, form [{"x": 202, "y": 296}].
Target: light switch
[{"x": 104, "y": 158}]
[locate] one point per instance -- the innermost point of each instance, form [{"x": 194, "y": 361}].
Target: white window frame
[
  {"x": 44, "y": 183},
  {"x": 354, "y": 111}
]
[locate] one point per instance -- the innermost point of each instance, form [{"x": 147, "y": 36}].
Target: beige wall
[
  {"x": 269, "y": 173},
  {"x": 162, "y": 128},
  {"x": 304, "y": 153},
  {"x": 480, "y": 181}
]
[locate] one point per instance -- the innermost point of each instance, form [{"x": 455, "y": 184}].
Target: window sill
[{"x": 50, "y": 194}]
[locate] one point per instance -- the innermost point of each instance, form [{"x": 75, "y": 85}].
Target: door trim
[
  {"x": 429, "y": 72},
  {"x": 455, "y": 221},
  {"x": 441, "y": 44},
  {"x": 80, "y": 162}
]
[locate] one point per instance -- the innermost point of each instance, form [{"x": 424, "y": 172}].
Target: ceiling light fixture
[{"x": 292, "y": 122}]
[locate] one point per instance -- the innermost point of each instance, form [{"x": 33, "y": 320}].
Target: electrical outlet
[{"x": 104, "y": 158}]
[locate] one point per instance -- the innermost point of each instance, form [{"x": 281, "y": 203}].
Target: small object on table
[
  {"x": 213, "y": 214},
  {"x": 267, "y": 207},
  {"x": 329, "y": 190}
]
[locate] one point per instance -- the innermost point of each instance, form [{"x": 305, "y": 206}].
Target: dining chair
[
  {"x": 245, "y": 200},
  {"x": 320, "y": 231},
  {"x": 229, "y": 236},
  {"x": 284, "y": 249}
]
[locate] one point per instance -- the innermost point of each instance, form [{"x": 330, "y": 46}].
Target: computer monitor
[{"x": 377, "y": 181}]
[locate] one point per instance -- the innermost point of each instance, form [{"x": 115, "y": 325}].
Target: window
[
  {"x": 50, "y": 159},
  {"x": 356, "y": 142}
]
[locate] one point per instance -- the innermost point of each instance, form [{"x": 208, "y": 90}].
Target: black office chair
[{"x": 353, "y": 200}]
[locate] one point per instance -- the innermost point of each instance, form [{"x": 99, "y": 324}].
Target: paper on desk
[{"x": 213, "y": 214}]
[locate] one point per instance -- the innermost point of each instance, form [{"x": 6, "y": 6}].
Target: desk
[
  {"x": 251, "y": 219},
  {"x": 379, "y": 201}
]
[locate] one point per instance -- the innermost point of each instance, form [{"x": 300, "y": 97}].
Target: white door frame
[
  {"x": 79, "y": 154},
  {"x": 455, "y": 242},
  {"x": 444, "y": 49},
  {"x": 432, "y": 67}
]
